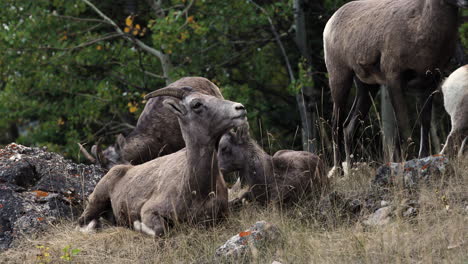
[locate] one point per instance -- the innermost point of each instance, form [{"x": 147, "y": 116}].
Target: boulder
[
  {"x": 411, "y": 172},
  {"x": 241, "y": 244},
  {"x": 38, "y": 188},
  {"x": 379, "y": 217}
]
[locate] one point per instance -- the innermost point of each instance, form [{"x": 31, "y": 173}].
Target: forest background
[{"x": 68, "y": 75}]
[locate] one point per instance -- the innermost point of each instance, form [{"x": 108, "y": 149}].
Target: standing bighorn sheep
[
  {"x": 397, "y": 43},
  {"x": 283, "y": 178},
  {"x": 157, "y": 132},
  {"x": 455, "y": 90},
  {"x": 185, "y": 186}
]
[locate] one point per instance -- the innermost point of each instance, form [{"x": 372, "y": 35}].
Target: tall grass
[{"x": 437, "y": 234}]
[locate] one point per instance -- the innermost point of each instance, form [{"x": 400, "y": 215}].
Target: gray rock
[
  {"x": 240, "y": 245},
  {"x": 379, "y": 217},
  {"x": 411, "y": 172},
  {"x": 39, "y": 187}
]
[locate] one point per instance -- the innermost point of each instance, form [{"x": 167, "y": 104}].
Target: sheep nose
[{"x": 239, "y": 107}]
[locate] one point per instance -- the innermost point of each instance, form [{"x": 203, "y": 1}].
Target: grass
[{"x": 437, "y": 234}]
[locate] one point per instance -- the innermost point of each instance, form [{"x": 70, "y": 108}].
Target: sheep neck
[
  {"x": 202, "y": 166},
  {"x": 259, "y": 168}
]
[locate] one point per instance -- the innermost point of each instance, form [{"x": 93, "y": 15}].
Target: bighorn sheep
[
  {"x": 185, "y": 186},
  {"x": 396, "y": 43},
  {"x": 283, "y": 178},
  {"x": 157, "y": 132},
  {"x": 455, "y": 90}
]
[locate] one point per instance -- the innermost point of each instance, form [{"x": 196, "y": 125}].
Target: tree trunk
[{"x": 305, "y": 97}]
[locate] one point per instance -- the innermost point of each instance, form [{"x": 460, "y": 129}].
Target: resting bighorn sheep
[
  {"x": 185, "y": 186},
  {"x": 396, "y": 43},
  {"x": 284, "y": 177},
  {"x": 455, "y": 90},
  {"x": 157, "y": 132}
]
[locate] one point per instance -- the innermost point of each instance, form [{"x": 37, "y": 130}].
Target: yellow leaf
[
  {"x": 129, "y": 21},
  {"x": 135, "y": 32},
  {"x": 99, "y": 47},
  {"x": 190, "y": 19},
  {"x": 133, "y": 109},
  {"x": 126, "y": 29}
]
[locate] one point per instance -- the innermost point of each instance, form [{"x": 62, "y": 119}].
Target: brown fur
[
  {"x": 285, "y": 177},
  {"x": 157, "y": 132},
  {"x": 185, "y": 186},
  {"x": 397, "y": 43}
]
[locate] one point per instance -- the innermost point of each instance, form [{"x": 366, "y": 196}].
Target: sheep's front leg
[
  {"x": 395, "y": 91},
  {"x": 151, "y": 224}
]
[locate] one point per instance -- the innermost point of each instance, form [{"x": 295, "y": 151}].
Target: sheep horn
[
  {"x": 102, "y": 160},
  {"x": 86, "y": 154},
  {"x": 170, "y": 91}
]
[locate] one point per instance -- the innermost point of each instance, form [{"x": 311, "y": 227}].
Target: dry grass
[{"x": 438, "y": 234}]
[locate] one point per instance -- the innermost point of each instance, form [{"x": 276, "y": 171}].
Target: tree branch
[
  {"x": 163, "y": 58},
  {"x": 278, "y": 41}
]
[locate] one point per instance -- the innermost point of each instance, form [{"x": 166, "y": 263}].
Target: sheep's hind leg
[
  {"x": 341, "y": 81},
  {"x": 99, "y": 203},
  {"x": 359, "y": 110},
  {"x": 151, "y": 224}
]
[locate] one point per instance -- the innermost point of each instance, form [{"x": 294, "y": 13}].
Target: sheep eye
[{"x": 197, "y": 105}]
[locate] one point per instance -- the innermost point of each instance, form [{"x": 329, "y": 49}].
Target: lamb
[
  {"x": 455, "y": 90},
  {"x": 185, "y": 186},
  {"x": 157, "y": 132},
  {"x": 397, "y": 43},
  {"x": 283, "y": 178}
]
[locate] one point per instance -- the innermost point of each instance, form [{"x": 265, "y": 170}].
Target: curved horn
[
  {"x": 170, "y": 91},
  {"x": 97, "y": 151},
  {"x": 86, "y": 154}
]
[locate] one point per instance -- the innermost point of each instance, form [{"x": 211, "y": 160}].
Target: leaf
[
  {"x": 41, "y": 193},
  {"x": 126, "y": 29},
  {"x": 245, "y": 233},
  {"x": 129, "y": 21},
  {"x": 75, "y": 251}
]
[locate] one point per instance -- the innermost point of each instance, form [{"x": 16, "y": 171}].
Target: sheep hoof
[
  {"x": 334, "y": 172},
  {"x": 90, "y": 228}
]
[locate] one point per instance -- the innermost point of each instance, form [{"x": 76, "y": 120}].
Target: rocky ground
[
  {"x": 42, "y": 194},
  {"x": 39, "y": 188}
]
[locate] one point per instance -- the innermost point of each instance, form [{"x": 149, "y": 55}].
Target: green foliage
[
  {"x": 65, "y": 77},
  {"x": 69, "y": 253}
]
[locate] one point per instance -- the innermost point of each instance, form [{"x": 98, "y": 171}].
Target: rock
[
  {"x": 410, "y": 212},
  {"x": 239, "y": 245},
  {"x": 412, "y": 171},
  {"x": 384, "y": 203},
  {"x": 39, "y": 187},
  {"x": 379, "y": 217}
]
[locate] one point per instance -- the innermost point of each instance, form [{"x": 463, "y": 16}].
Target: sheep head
[
  {"x": 200, "y": 114},
  {"x": 233, "y": 149}
]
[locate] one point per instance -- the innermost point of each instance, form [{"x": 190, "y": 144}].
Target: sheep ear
[
  {"x": 175, "y": 106},
  {"x": 243, "y": 134},
  {"x": 120, "y": 141}
]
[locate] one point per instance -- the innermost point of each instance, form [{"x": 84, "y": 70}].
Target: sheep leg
[
  {"x": 426, "y": 114},
  {"x": 462, "y": 148},
  {"x": 99, "y": 202},
  {"x": 359, "y": 110},
  {"x": 152, "y": 223},
  {"x": 454, "y": 140},
  {"x": 395, "y": 92},
  {"x": 341, "y": 81}
]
